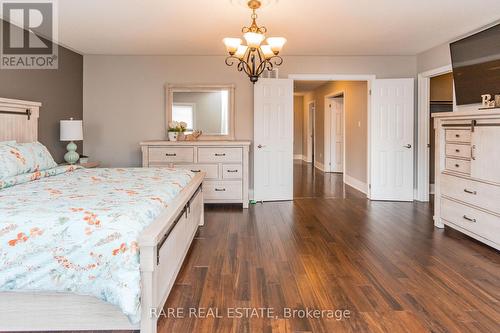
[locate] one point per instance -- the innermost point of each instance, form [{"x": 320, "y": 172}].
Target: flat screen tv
[{"x": 476, "y": 66}]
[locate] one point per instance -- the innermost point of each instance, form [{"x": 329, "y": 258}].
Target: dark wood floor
[{"x": 331, "y": 249}]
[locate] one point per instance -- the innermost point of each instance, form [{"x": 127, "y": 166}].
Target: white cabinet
[
  {"x": 467, "y": 192},
  {"x": 225, "y": 164}
]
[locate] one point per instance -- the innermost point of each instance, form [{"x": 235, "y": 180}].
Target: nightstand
[{"x": 90, "y": 165}]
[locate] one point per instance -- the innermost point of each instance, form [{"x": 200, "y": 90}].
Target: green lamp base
[{"x": 71, "y": 157}]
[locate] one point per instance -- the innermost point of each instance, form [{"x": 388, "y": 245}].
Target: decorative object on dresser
[
  {"x": 71, "y": 130},
  {"x": 176, "y": 130},
  {"x": 467, "y": 192},
  {"x": 225, "y": 164},
  {"x": 207, "y": 109}
]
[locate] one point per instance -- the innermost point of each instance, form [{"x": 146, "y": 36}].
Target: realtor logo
[{"x": 29, "y": 29}]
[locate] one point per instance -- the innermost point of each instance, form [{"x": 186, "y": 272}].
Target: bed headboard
[{"x": 19, "y": 120}]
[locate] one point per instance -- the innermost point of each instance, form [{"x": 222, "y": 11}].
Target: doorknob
[
  {"x": 407, "y": 146},
  {"x": 260, "y": 146}
]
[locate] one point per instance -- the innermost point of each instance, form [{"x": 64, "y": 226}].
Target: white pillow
[{"x": 20, "y": 158}]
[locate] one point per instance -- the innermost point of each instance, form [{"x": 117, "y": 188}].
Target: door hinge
[
  {"x": 369, "y": 186},
  {"x": 370, "y": 92}
]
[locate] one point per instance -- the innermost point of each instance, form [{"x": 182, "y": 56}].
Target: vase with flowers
[{"x": 176, "y": 130}]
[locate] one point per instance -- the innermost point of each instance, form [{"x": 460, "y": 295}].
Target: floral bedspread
[{"x": 76, "y": 230}]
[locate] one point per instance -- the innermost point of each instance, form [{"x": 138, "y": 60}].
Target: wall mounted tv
[{"x": 476, "y": 65}]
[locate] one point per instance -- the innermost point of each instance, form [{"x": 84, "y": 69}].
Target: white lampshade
[
  {"x": 232, "y": 44},
  {"x": 71, "y": 130},
  {"x": 276, "y": 43},
  {"x": 240, "y": 53},
  {"x": 254, "y": 39},
  {"x": 268, "y": 52}
]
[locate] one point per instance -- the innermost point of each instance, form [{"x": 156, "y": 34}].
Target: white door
[
  {"x": 310, "y": 132},
  {"x": 392, "y": 125},
  {"x": 273, "y": 140},
  {"x": 336, "y": 135}
]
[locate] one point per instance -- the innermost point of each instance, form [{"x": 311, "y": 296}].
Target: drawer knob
[
  {"x": 457, "y": 165},
  {"x": 223, "y": 154},
  {"x": 232, "y": 170},
  {"x": 469, "y": 191},
  {"x": 457, "y": 150},
  {"x": 469, "y": 219},
  {"x": 195, "y": 171},
  {"x": 170, "y": 154},
  {"x": 220, "y": 190},
  {"x": 457, "y": 135}
]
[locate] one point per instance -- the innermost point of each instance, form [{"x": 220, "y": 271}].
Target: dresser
[
  {"x": 225, "y": 164},
  {"x": 467, "y": 192}
]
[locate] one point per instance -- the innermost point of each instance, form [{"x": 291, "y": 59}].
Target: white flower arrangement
[{"x": 175, "y": 126}]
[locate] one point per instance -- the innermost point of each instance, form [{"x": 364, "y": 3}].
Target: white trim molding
[
  {"x": 355, "y": 183},
  {"x": 423, "y": 129}
]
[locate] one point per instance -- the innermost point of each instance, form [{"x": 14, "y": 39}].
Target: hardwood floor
[{"x": 331, "y": 249}]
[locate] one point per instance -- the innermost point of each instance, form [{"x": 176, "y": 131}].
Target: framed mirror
[{"x": 208, "y": 108}]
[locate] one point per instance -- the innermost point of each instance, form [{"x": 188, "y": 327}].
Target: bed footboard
[{"x": 163, "y": 247}]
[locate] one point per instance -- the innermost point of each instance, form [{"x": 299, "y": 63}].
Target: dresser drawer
[
  {"x": 211, "y": 170},
  {"x": 457, "y": 150},
  {"x": 476, "y": 221},
  {"x": 162, "y": 155},
  {"x": 232, "y": 171},
  {"x": 479, "y": 194},
  {"x": 458, "y": 135},
  {"x": 456, "y": 165},
  {"x": 222, "y": 190},
  {"x": 219, "y": 154}
]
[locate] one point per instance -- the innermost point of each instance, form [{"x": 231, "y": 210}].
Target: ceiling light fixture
[{"x": 254, "y": 57}]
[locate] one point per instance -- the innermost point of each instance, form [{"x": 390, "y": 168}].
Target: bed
[{"x": 90, "y": 249}]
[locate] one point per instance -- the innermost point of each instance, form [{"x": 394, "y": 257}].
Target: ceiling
[
  {"x": 312, "y": 27},
  {"x": 306, "y": 86}
]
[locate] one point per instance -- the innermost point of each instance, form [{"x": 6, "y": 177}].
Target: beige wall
[
  {"x": 441, "y": 88},
  {"x": 124, "y": 96},
  {"x": 356, "y": 113},
  {"x": 298, "y": 124}
]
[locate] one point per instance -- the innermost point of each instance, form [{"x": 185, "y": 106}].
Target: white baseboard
[
  {"x": 356, "y": 183},
  {"x": 304, "y": 158},
  {"x": 319, "y": 166}
]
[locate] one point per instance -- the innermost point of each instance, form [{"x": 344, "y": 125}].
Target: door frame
[
  {"x": 328, "y": 130},
  {"x": 423, "y": 123},
  {"x": 369, "y": 78},
  {"x": 310, "y": 121}
]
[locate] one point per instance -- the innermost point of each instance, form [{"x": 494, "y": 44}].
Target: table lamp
[{"x": 71, "y": 130}]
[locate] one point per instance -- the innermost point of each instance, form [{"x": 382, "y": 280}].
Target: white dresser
[
  {"x": 225, "y": 164},
  {"x": 467, "y": 193}
]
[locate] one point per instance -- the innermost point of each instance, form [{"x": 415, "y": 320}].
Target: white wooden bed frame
[{"x": 163, "y": 247}]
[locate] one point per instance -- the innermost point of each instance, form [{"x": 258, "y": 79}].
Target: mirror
[{"x": 208, "y": 108}]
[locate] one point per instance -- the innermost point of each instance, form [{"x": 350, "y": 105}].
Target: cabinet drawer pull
[
  {"x": 457, "y": 135},
  {"x": 457, "y": 165},
  {"x": 469, "y": 191},
  {"x": 457, "y": 150},
  {"x": 473, "y": 153},
  {"x": 195, "y": 171},
  {"x": 223, "y": 154},
  {"x": 469, "y": 219},
  {"x": 220, "y": 190},
  {"x": 232, "y": 170},
  {"x": 170, "y": 154}
]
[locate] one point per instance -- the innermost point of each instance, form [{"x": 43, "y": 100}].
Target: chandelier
[{"x": 254, "y": 57}]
